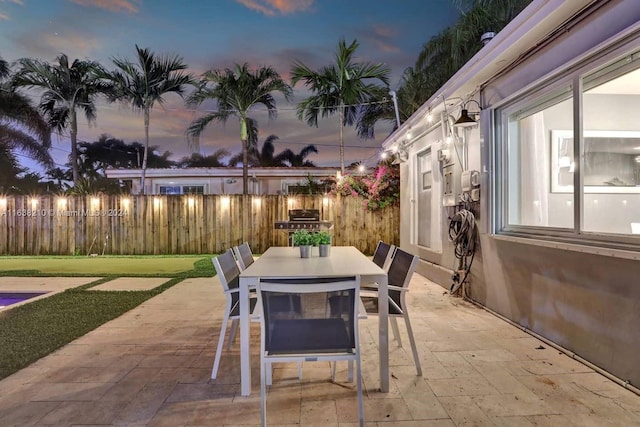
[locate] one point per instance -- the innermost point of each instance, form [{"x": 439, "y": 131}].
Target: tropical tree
[
  {"x": 146, "y": 82},
  {"x": 262, "y": 157},
  {"x": 236, "y": 91},
  {"x": 66, "y": 89},
  {"x": 338, "y": 88},
  {"x": 107, "y": 152},
  {"x": 300, "y": 159},
  {"x": 443, "y": 55},
  {"x": 23, "y": 128},
  {"x": 197, "y": 160}
]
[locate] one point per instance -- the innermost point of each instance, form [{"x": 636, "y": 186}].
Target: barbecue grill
[{"x": 303, "y": 219}]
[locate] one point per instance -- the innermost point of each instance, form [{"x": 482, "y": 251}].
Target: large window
[
  {"x": 529, "y": 129},
  {"x": 584, "y": 182}
]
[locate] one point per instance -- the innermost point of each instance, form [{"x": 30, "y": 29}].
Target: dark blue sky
[{"x": 216, "y": 34}]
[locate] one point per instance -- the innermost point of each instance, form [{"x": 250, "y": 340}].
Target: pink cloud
[
  {"x": 110, "y": 5},
  {"x": 4, "y": 17},
  {"x": 274, "y": 7}
]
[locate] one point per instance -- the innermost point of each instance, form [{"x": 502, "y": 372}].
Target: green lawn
[
  {"x": 167, "y": 266},
  {"x": 31, "y": 331}
]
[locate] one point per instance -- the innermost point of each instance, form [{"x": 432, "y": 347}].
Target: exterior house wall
[
  {"x": 223, "y": 180},
  {"x": 583, "y": 298}
]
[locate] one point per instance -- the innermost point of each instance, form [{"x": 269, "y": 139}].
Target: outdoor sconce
[
  {"x": 156, "y": 202},
  {"x": 34, "y": 203},
  {"x": 191, "y": 202},
  {"x": 465, "y": 120},
  {"x": 3, "y": 203},
  {"x": 257, "y": 201},
  {"x": 62, "y": 203},
  {"x": 325, "y": 200}
]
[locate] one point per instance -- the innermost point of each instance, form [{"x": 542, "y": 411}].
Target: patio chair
[
  {"x": 243, "y": 255},
  {"x": 383, "y": 254},
  {"x": 382, "y": 257},
  {"x": 228, "y": 272},
  {"x": 400, "y": 271},
  {"x": 310, "y": 335}
]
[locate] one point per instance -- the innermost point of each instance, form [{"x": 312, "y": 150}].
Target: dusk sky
[{"x": 216, "y": 34}]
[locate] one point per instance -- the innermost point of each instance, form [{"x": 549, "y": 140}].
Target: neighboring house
[
  {"x": 225, "y": 180},
  {"x": 552, "y": 173}
]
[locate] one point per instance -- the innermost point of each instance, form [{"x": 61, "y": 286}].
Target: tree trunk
[
  {"x": 245, "y": 156},
  {"x": 341, "y": 115},
  {"x": 74, "y": 146},
  {"x": 146, "y": 150}
]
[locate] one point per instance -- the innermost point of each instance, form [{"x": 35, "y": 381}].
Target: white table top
[{"x": 278, "y": 261}]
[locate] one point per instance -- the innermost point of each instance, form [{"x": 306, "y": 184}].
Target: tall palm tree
[
  {"x": 236, "y": 91},
  {"x": 66, "y": 88},
  {"x": 338, "y": 88},
  {"x": 144, "y": 83},
  {"x": 299, "y": 160},
  {"x": 21, "y": 127}
]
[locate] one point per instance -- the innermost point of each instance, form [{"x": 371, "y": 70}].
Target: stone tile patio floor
[{"x": 151, "y": 367}]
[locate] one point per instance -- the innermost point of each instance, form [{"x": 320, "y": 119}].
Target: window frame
[{"x": 592, "y": 71}]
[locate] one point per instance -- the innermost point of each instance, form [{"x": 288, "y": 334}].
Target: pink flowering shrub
[{"x": 379, "y": 189}]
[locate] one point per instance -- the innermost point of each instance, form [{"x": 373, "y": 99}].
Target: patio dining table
[{"x": 285, "y": 262}]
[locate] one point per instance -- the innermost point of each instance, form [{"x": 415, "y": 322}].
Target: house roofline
[
  {"x": 223, "y": 172},
  {"x": 525, "y": 31}
]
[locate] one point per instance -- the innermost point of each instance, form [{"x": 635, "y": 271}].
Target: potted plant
[
  {"x": 304, "y": 240},
  {"x": 324, "y": 242}
]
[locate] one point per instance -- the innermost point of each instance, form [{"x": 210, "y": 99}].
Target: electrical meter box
[{"x": 451, "y": 184}]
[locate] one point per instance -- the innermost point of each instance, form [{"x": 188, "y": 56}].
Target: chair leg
[
  {"x": 232, "y": 333},
  {"x": 216, "y": 362},
  {"x": 396, "y": 331},
  {"x": 264, "y": 367},
  {"x": 412, "y": 340},
  {"x": 359, "y": 387},
  {"x": 350, "y": 371}
]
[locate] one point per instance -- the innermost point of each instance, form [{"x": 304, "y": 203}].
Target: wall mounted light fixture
[{"x": 465, "y": 120}]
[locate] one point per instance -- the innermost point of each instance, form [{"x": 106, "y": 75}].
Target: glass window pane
[
  {"x": 611, "y": 184},
  {"x": 424, "y": 198},
  {"x": 539, "y": 159}
]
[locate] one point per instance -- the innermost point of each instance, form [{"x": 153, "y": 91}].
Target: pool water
[{"x": 9, "y": 298}]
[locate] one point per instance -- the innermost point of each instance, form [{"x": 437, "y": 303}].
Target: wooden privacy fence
[{"x": 194, "y": 224}]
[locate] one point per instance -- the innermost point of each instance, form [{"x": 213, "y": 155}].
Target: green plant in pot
[
  {"x": 323, "y": 239},
  {"x": 304, "y": 240}
]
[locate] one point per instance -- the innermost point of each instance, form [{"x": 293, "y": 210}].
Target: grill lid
[{"x": 304, "y": 215}]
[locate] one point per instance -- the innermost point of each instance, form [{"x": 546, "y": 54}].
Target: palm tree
[
  {"x": 67, "y": 88},
  {"x": 197, "y": 160},
  {"x": 264, "y": 157},
  {"x": 236, "y": 91},
  {"x": 146, "y": 82},
  {"x": 443, "y": 55},
  {"x": 299, "y": 160},
  {"x": 21, "y": 127},
  {"x": 339, "y": 87}
]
